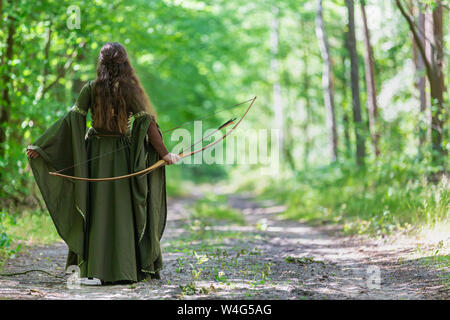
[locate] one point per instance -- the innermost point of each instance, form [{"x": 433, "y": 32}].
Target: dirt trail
[{"x": 266, "y": 258}]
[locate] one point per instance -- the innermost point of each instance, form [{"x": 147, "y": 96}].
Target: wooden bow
[{"x": 161, "y": 163}]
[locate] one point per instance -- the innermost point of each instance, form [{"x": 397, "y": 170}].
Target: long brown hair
[{"x": 117, "y": 90}]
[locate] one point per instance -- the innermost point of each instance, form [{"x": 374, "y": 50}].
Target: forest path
[{"x": 265, "y": 258}]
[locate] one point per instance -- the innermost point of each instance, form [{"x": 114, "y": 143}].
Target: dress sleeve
[
  {"x": 84, "y": 99},
  {"x": 62, "y": 148},
  {"x": 153, "y": 133}
]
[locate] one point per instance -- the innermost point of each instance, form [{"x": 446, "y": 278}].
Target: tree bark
[
  {"x": 437, "y": 90},
  {"x": 428, "y": 35},
  {"x": 421, "y": 82},
  {"x": 327, "y": 81},
  {"x": 345, "y": 113},
  {"x": 356, "y": 103},
  {"x": 370, "y": 83},
  {"x": 435, "y": 75}
]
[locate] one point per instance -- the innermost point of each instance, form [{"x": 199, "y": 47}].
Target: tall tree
[
  {"x": 307, "y": 122},
  {"x": 344, "y": 102},
  {"x": 435, "y": 75},
  {"x": 327, "y": 80},
  {"x": 5, "y": 102},
  {"x": 370, "y": 82},
  {"x": 277, "y": 99},
  {"x": 420, "y": 81},
  {"x": 428, "y": 35},
  {"x": 356, "y": 103}
]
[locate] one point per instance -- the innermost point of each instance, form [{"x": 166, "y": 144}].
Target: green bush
[{"x": 5, "y": 240}]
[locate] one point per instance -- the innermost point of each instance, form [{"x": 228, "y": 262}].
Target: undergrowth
[
  {"x": 29, "y": 227},
  {"x": 379, "y": 199}
]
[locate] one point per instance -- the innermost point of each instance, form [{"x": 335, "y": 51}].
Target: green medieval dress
[{"x": 112, "y": 228}]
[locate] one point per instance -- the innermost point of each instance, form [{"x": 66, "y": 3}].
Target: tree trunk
[
  {"x": 277, "y": 99},
  {"x": 345, "y": 112},
  {"x": 421, "y": 83},
  {"x": 428, "y": 37},
  {"x": 438, "y": 87},
  {"x": 308, "y": 120},
  {"x": 370, "y": 84},
  {"x": 434, "y": 68},
  {"x": 356, "y": 104},
  {"x": 327, "y": 81},
  {"x": 5, "y": 103}
]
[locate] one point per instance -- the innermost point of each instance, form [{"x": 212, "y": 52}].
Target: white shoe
[{"x": 90, "y": 282}]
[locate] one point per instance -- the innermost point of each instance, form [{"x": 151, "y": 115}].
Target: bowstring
[
  {"x": 210, "y": 115},
  {"x": 183, "y": 124},
  {"x": 93, "y": 158}
]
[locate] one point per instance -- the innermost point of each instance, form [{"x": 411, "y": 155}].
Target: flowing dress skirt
[
  {"x": 112, "y": 228},
  {"x": 111, "y": 242}
]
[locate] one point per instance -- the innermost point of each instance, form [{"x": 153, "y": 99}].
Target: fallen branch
[{"x": 28, "y": 271}]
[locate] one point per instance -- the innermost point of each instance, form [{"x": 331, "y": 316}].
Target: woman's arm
[{"x": 157, "y": 142}]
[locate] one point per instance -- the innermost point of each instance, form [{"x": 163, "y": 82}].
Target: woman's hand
[
  {"x": 171, "y": 158},
  {"x": 31, "y": 154}
]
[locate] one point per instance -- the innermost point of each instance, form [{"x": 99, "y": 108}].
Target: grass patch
[
  {"x": 437, "y": 258},
  {"x": 200, "y": 233},
  {"x": 302, "y": 260},
  {"x": 204, "y": 254},
  {"x": 215, "y": 207},
  {"x": 31, "y": 227},
  {"x": 202, "y": 241},
  {"x": 379, "y": 199},
  {"x": 440, "y": 263}
]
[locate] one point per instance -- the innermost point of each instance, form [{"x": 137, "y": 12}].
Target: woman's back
[
  {"x": 113, "y": 227},
  {"x": 116, "y": 92}
]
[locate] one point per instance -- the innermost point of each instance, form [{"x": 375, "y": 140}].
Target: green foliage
[
  {"x": 180, "y": 51},
  {"x": 195, "y": 57},
  {"x": 379, "y": 199},
  {"x": 192, "y": 289},
  {"x": 302, "y": 260},
  {"x": 189, "y": 289},
  {"x": 6, "y": 240},
  {"x": 32, "y": 227}
]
